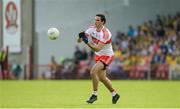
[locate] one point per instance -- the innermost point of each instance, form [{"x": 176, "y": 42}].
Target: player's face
[{"x": 98, "y": 21}]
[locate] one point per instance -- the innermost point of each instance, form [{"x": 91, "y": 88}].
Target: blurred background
[{"x": 146, "y": 38}]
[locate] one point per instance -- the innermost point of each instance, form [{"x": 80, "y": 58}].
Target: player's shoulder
[
  {"x": 92, "y": 26},
  {"x": 105, "y": 29},
  {"x": 106, "y": 32}
]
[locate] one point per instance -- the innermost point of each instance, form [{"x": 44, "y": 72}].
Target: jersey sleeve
[
  {"x": 106, "y": 38},
  {"x": 88, "y": 31}
]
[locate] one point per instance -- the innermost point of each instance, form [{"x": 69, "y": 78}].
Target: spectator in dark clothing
[
  {"x": 78, "y": 55},
  {"x": 160, "y": 31},
  {"x": 2, "y": 59},
  {"x": 84, "y": 54},
  {"x": 178, "y": 27}
]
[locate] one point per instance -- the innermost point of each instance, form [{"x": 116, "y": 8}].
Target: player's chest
[{"x": 97, "y": 35}]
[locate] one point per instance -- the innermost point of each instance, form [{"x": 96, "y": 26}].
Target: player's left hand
[{"x": 85, "y": 39}]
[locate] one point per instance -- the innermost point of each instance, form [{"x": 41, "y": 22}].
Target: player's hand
[
  {"x": 82, "y": 36},
  {"x": 79, "y": 40},
  {"x": 85, "y": 39}
]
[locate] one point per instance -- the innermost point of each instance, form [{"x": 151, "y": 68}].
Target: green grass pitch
[{"x": 74, "y": 93}]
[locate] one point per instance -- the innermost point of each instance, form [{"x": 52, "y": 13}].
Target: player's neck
[{"x": 99, "y": 28}]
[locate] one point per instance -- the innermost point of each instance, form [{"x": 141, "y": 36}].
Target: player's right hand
[{"x": 81, "y": 34}]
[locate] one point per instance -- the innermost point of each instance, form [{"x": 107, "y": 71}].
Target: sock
[
  {"x": 114, "y": 93},
  {"x": 94, "y": 93}
]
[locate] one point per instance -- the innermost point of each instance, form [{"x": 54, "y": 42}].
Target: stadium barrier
[
  {"x": 174, "y": 72},
  {"x": 160, "y": 71},
  {"x": 139, "y": 72},
  {"x": 157, "y": 72}
]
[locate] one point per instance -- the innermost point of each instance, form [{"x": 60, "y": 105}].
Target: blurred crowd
[
  {"x": 149, "y": 50},
  {"x": 151, "y": 46}
]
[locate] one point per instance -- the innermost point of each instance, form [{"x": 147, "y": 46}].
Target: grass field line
[{"x": 90, "y": 108}]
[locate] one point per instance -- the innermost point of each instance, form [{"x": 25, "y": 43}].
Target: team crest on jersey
[{"x": 93, "y": 33}]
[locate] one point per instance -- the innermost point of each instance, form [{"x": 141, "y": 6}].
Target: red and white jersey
[{"x": 103, "y": 36}]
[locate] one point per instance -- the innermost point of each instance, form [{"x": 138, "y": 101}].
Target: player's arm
[
  {"x": 97, "y": 47},
  {"x": 94, "y": 47}
]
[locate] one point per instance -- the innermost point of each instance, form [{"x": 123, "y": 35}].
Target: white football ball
[{"x": 53, "y": 33}]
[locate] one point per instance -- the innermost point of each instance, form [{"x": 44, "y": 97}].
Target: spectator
[
  {"x": 54, "y": 68},
  {"x": 84, "y": 54},
  {"x": 16, "y": 71},
  {"x": 2, "y": 59},
  {"x": 132, "y": 32},
  {"x": 68, "y": 70},
  {"x": 78, "y": 55},
  {"x": 160, "y": 31}
]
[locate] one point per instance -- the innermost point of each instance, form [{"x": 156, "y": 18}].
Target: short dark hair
[{"x": 103, "y": 18}]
